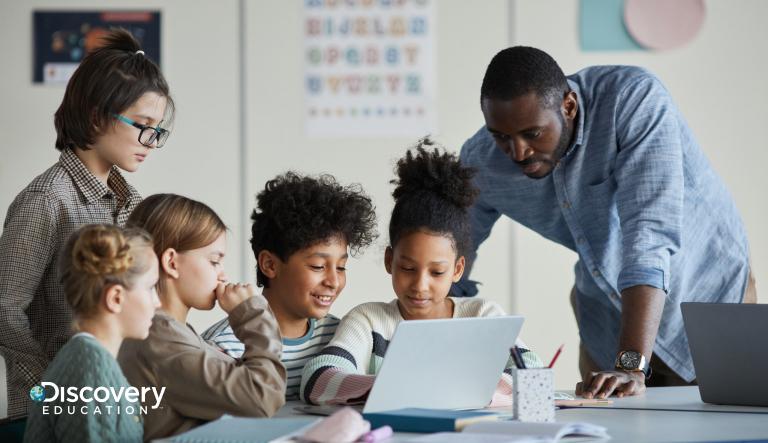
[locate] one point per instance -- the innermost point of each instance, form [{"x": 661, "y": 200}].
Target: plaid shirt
[{"x": 35, "y": 319}]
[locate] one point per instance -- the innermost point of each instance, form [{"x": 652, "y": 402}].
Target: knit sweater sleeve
[{"x": 341, "y": 373}]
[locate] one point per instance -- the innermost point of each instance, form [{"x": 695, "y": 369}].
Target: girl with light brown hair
[
  {"x": 108, "y": 275},
  {"x": 202, "y": 382}
]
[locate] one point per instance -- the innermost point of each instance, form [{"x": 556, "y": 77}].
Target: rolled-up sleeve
[{"x": 649, "y": 178}]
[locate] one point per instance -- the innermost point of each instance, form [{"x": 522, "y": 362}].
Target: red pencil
[{"x": 557, "y": 354}]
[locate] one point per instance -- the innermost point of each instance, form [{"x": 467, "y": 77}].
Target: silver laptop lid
[
  {"x": 444, "y": 364},
  {"x": 728, "y": 344}
]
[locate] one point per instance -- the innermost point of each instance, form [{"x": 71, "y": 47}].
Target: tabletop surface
[{"x": 684, "y": 418}]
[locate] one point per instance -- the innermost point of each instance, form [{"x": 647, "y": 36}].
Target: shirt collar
[
  {"x": 92, "y": 188},
  {"x": 303, "y": 339},
  {"x": 579, "y": 117}
]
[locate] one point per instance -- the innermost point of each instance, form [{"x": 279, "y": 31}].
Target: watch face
[{"x": 630, "y": 360}]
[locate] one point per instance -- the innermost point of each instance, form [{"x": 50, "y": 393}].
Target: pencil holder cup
[{"x": 533, "y": 395}]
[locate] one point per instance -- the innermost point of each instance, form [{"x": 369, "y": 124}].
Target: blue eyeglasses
[{"x": 148, "y": 134}]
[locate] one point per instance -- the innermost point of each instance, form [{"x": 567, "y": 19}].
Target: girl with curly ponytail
[{"x": 428, "y": 239}]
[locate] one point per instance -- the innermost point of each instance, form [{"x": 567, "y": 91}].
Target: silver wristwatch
[{"x": 633, "y": 361}]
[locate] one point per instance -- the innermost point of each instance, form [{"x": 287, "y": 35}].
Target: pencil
[
  {"x": 583, "y": 402},
  {"x": 520, "y": 357},
  {"x": 557, "y": 354},
  {"x": 515, "y": 357}
]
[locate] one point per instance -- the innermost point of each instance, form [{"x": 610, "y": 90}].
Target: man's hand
[
  {"x": 603, "y": 384},
  {"x": 230, "y": 295}
]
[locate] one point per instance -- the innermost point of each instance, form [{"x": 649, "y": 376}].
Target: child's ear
[
  {"x": 267, "y": 263},
  {"x": 169, "y": 262},
  {"x": 458, "y": 269},
  {"x": 114, "y": 298},
  {"x": 95, "y": 122},
  {"x": 388, "y": 259}
]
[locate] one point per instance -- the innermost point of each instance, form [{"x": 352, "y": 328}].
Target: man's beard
[{"x": 562, "y": 147}]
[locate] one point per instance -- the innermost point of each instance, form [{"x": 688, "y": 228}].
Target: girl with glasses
[{"x": 113, "y": 85}]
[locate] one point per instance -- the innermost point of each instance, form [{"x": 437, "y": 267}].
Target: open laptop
[
  {"x": 728, "y": 343},
  {"x": 440, "y": 364}
]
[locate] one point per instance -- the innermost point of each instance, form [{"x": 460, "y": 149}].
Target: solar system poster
[{"x": 63, "y": 38}]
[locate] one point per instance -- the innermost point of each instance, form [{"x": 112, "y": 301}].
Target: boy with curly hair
[{"x": 304, "y": 229}]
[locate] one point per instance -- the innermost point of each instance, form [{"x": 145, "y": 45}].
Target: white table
[
  {"x": 683, "y": 398},
  {"x": 629, "y": 426},
  {"x": 685, "y": 418}
]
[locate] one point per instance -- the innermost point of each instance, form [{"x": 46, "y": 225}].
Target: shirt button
[
  {"x": 579, "y": 239},
  {"x": 596, "y": 272},
  {"x": 566, "y": 205}
]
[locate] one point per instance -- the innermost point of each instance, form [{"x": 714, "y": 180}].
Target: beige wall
[
  {"x": 200, "y": 61},
  {"x": 718, "y": 82},
  {"x": 276, "y": 133}
]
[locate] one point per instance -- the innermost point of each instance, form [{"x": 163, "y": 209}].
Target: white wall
[
  {"x": 718, "y": 81},
  {"x": 276, "y": 128},
  {"x": 200, "y": 61}
]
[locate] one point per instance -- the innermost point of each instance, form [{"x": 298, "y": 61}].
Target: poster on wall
[
  {"x": 633, "y": 25},
  {"x": 369, "y": 68},
  {"x": 63, "y": 38}
]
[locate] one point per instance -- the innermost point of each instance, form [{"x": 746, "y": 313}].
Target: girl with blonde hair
[{"x": 108, "y": 275}]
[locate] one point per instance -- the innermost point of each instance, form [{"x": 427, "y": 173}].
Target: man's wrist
[
  {"x": 633, "y": 361},
  {"x": 636, "y": 375}
]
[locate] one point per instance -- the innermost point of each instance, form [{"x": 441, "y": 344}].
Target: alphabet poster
[{"x": 369, "y": 68}]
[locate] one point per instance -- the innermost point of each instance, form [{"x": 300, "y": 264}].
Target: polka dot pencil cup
[{"x": 533, "y": 393}]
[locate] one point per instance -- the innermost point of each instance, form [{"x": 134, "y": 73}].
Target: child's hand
[{"x": 230, "y": 295}]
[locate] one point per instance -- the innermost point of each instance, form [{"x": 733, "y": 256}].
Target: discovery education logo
[{"x": 75, "y": 399}]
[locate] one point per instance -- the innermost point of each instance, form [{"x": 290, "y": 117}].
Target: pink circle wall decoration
[{"x": 663, "y": 24}]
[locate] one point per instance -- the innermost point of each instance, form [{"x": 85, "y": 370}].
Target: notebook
[
  {"x": 427, "y": 420},
  {"x": 252, "y": 430},
  {"x": 548, "y": 431},
  {"x": 515, "y": 432}
]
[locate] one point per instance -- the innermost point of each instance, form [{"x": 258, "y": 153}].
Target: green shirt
[{"x": 84, "y": 362}]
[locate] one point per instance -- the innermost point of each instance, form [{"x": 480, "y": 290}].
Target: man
[{"x": 603, "y": 163}]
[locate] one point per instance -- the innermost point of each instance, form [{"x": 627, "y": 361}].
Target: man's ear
[
  {"x": 388, "y": 256},
  {"x": 570, "y": 106},
  {"x": 114, "y": 298},
  {"x": 268, "y": 263},
  {"x": 458, "y": 269},
  {"x": 169, "y": 262}
]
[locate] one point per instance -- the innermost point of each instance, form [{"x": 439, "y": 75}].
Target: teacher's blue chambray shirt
[{"x": 638, "y": 201}]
